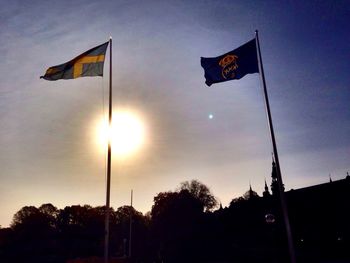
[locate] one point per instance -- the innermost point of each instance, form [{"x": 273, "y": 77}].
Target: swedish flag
[
  {"x": 232, "y": 65},
  {"x": 90, "y": 63}
]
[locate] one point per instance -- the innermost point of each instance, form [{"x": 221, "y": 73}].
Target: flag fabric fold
[
  {"x": 90, "y": 63},
  {"x": 232, "y": 65}
]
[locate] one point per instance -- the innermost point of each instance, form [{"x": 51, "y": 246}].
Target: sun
[{"x": 127, "y": 133}]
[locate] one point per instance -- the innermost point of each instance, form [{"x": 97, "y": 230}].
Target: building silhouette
[{"x": 319, "y": 217}]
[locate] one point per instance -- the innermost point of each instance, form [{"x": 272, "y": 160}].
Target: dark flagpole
[
  {"x": 279, "y": 175},
  {"x": 130, "y": 226},
  {"x": 109, "y": 157}
]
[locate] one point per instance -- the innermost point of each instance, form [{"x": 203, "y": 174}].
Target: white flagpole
[
  {"x": 109, "y": 157},
  {"x": 279, "y": 175}
]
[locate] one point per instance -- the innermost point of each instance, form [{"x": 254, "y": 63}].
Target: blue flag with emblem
[
  {"x": 90, "y": 63},
  {"x": 232, "y": 65}
]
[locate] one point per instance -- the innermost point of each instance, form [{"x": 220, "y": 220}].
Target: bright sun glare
[{"x": 127, "y": 133}]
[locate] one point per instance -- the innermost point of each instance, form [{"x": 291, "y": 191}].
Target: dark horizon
[
  {"x": 48, "y": 139},
  {"x": 188, "y": 225}
]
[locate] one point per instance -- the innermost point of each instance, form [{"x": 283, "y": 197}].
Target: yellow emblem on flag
[{"x": 229, "y": 65}]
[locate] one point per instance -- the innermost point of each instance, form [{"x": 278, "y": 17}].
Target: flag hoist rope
[{"x": 279, "y": 175}]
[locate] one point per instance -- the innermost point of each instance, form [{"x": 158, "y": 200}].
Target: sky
[{"x": 48, "y": 150}]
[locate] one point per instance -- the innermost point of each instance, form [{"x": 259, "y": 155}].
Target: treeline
[
  {"x": 169, "y": 232},
  {"x": 186, "y": 225}
]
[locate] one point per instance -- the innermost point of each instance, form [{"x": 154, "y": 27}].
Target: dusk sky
[{"x": 48, "y": 149}]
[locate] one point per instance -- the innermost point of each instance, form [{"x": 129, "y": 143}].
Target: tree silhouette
[
  {"x": 140, "y": 243},
  {"x": 200, "y": 192},
  {"x": 34, "y": 234},
  {"x": 176, "y": 219},
  {"x": 81, "y": 230}
]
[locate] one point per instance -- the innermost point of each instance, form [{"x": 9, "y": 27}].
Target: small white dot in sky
[{"x": 211, "y": 116}]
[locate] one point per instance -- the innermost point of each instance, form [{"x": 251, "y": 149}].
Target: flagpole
[
  {"x": 130, "y": 226},
  {"x": 109, "y": 157},
  {"x": 279, "y": 175}
]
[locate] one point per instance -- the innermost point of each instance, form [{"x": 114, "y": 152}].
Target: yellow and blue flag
[
  {"x": 232, "y": 65},
  {"x": 90, "y": 63}
]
